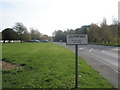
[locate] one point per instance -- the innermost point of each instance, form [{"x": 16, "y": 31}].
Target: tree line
[
  {"x": 96, "y": 34},
  {"x": 20, "y": 32}
]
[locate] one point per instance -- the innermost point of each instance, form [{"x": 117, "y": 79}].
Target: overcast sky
[{"x": 50, "y": 15}]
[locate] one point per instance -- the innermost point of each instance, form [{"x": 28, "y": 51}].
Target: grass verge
[{"x": 47, "y": 65}]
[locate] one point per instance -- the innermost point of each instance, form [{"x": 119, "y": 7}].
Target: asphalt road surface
[{"x": 102, "y": 58}]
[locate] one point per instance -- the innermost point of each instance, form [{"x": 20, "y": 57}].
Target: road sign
[{"x": 77, "y": 39}]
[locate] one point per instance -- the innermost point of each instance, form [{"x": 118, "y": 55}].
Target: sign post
[
  {"x": 76, "y": 39},
  {"x": 76, "y": 66}
]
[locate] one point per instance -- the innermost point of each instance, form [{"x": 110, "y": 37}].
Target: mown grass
[{"x": 47, "y": 65}]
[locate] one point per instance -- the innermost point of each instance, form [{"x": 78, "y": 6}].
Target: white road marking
[
  {"x": 80, "y": 48},
  {"x": 90, "y": 50},
  {"x": 115, "y": 70},
  {"x": 115, "y": 49}
]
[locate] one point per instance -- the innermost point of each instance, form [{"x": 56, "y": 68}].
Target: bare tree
[
  {"x": 20, "y": 29},
  {"x": 35, "y": 34}
]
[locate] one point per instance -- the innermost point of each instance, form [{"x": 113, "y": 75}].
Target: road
[{"x": 102, "y": 58}]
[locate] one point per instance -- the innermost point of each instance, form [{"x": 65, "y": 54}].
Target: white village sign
[{"x": 74, "y": 39}]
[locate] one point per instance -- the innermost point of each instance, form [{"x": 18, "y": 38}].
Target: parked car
[
  {"x": 44, "y": 41},
  {"x": 33, "y": 41}
]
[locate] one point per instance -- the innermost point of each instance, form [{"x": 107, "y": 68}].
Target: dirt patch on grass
[{"x": 8, "y": 65}]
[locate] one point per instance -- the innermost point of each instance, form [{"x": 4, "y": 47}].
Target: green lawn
[{"x": 47, "y": 65}]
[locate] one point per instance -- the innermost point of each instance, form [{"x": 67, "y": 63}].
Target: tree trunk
[
  {"x": 9, "y": 41},
  {"x": 3, "y": 41},
  {"x": 21, "y": 41}
]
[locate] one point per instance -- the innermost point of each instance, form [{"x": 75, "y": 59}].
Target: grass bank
[{"x": 46, "y": 65}]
